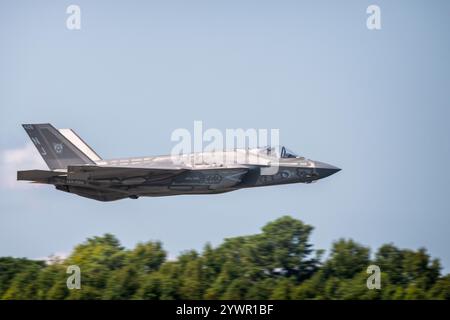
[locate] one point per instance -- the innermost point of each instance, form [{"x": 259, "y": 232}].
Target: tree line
[{"x": 278, "y": 263}]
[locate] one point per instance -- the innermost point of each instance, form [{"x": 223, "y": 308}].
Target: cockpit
[
  {"x": 280, "y": 152},
  {"x": 286, "y": 153}
]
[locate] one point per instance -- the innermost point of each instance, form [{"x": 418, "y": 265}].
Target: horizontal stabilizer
[{"x": 36, "y": 175}]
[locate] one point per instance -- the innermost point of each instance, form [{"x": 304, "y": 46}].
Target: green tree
[
  {"x": 96, "y": 258},
  {"x": 147, "y": 257},
  {"x": 24, "y": 284},
  {"x": 11, "y": 267},
  {"x": 283, "y": 289},
  {"x": 191, "y": 284},
  {"x": 278, "y": 263},
  {"x": 419, "y": 269},
  {"x": 122, "y": 284},
  {"x": 441, "y": 289},
  {"x": 51, "y": 282},
  {"x": 226, "y": 276},
  {"x": 390, "y": 260},
  {"x": 347, "y": 258},
  {"x": 284, "y": 247},
  {"x": 312, "y": 288}
]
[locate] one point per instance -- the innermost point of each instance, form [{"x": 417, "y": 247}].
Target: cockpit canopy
[
  {"x": 280, "y": 152},
  {"x": 286, "y": 153}
]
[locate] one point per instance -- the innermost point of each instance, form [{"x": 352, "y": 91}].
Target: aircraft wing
[
  {"x": 120, "y": 175},
  {"x": 108, "y": 183}
]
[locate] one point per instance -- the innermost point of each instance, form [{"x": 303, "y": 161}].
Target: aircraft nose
[{"x": 325, "y": 169}]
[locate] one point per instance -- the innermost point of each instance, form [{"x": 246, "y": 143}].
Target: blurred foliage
[{"x": 278, "y": 263}]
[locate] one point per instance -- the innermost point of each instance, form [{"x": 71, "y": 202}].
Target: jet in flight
[{"x": 77, "y": 168}]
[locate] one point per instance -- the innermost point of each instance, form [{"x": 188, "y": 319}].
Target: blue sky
[{"x": 374, "y": 103}]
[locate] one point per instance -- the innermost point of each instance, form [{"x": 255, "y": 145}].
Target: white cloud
[
  {"x": 55, "y": 257},
  {"x": 23, "y": 158}
]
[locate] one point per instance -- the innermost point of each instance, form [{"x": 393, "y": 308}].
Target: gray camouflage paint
[{"x": 201, "y": 173}]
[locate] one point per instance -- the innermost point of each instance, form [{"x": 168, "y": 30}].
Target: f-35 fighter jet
[{"x": 77, "y": 168}]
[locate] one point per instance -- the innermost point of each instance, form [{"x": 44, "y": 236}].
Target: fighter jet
[{"x": 76, "y": 168}]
